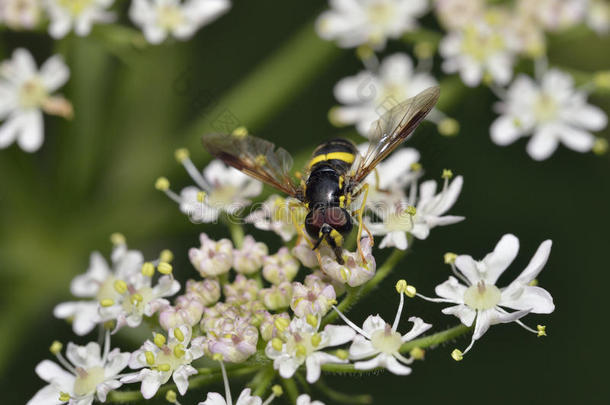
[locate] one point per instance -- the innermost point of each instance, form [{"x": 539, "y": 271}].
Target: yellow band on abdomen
[{"x": 343, "y": 156}]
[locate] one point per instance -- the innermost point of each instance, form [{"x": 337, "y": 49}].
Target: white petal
[
  {"x": 373, "y": 323},
  {"x": 537, "y": 263},
  {"x": 451, "y": 290},
  {"x": 576, "y": 139},
  {"x": 590, "y": 117},
  {"x": 151, "y": 382},
  {"x": 47, "y": 395},
  {"x": 32, "y": 131},
  {"x": 463, "y": 312},
  {"x": 288, "y": 366},
  {"x": 9, "y": 129},
  {"x": 504, "y": 131},
  {"x": 116, "y": 362},
  {"x": 369, "y": 364},
  {"x": 59, "y": 27},
  {"x": 396, "y": 239},
  {"x": 523, "y": 297},
  {"x": 313, "y": 368},
  {"x": 394, "y": 366},
  {"x": 181, "y": 377},
  {"x": 52, "y": 373},
  {"x": 213, "y": 398},
  {"x": 419, "y": 327},
  {"x": 542, "y": 145},
  {"x": 339, "y": 335},
  {"x": 468, "y": 267},
  {"x": 54, "y": 73},
  {"x": 497, "y": 261},
  {"x": 84, "y": 356},
  {"x": 361, "y": 348},
  {"x": 483, "y": 323}
]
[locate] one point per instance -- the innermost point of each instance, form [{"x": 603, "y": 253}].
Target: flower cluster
[{"x": 483, "y": 43}]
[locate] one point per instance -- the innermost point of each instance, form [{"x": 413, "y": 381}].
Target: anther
[
  {"x": 457, "y": 355},
  {"x": 240, "y": 132},
  {"x": 311, "y": 320},
  {"x": 164, "y": 268},
  {"x": 316, "y": 339},
  {"x": 148, "y": 269},
  {"x": 64, "y": 396},
  {"x": 277, "y": 390},
  {"x": 162, "y": 184},
  {"x": 56, "y": 347},
  {"x": 166, "y": 256},
  {"x": 410, "y": 291},
  {"x": 181, "y": 154},
  {"x": 159, "y": 340},
  {"x": 401, "y": 286},
  {"x": 448, "y": 127},
  {"x": 179, "y": 351},
  {"x": 171, "y": 396},
  {"x": 217, "y": 357},
  {"x": 450, "y": 258},
  {"x": 117, "y": 238},
  {"x": 411, "y": 210},
  {"x": 417, "y": 353},
  {"x": 277, "y": 344},
  {"x": 150, "y": 357},
  {"x": 600, "y": 146},
  {"x": 120, "y": 286},
  {"x": 201, "y": 196},
  {"x": 179, "y": 335},
  {"x": 342, "y": 354},
  {"x": 281, "y": 324},
  {"x": 164, "y": 367},
  {"x": 447, "y": 174},
  {"x": 108, "y": 302},
  {"x": 301, "y": 350},
  {"x": 416, "y": 166},
  {"x": 541, "y": 330}
]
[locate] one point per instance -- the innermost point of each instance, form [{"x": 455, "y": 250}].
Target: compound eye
[{"x": 336, "y": 217}]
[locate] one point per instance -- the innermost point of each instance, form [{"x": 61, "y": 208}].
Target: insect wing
[
  {"x": 254, "y": 156},
  {"x": 392, "y": 128}
]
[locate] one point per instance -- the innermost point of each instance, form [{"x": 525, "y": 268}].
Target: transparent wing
[
  {"x": 254, "y": 156},
  {"x": 391, "y": 129}
]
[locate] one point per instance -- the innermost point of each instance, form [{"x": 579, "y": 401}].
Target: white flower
[
  {"x": 160, "y": 18},
  {"x": 354, "y": 271},
  {"x": 137, "y": 297},
  {"x": 219, "y": 189},
  {"x": 416, "y": 215},
  {"x": 79, "y": 15},
  {"x": 98, "y": 283},
  {"x": 368, "y": 95},
  {"x": 480, "y": 299},
  {"x": 245, "y": 398},
  {"x": 25, "y": 92},
  {"x": 372, "y": 22},
  {"x": 249, "y": 259},
  {"x": 552, "y": 111},
  {"x": 164, "y": 358},
  {"x": 598, "y": 16},
  {"x": 303, "y": 343},
  {"x": 212, "y": 258},
  {"x": 90, "y": 374},
  {"x": 305, "y": 399},
  {"x": 455, "y": 14},
  {"x": 480, "y": 49},
  {"x": 554, "y": 15},
  {"x": 315, "y": 297},
  {"x": 279, "y": 215},
  {"x": 20, "y": 14},
  {"x": 378, "y": 343}
]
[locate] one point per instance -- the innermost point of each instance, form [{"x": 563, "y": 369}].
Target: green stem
[
  {"x": 237, "y": 231},
  {"x": 291, "y": 389},
  {"x": 206, "y": 376},
  {"x": 426, "y": 341},
  {"x": 355, "y": 294},
  {"x": 340, "y": 397},
  {"x": 262, "y": 381}
]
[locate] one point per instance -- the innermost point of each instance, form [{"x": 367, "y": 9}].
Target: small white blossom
[
  {"x": 416, "y": 215},
  {"x": 368, "y": 95},
  {"x": 77, "y": 15},
  {"x": 371, "y": 22},
  {"x": 233, "y": 338},
  {"x": 551, "y": 111},
  {"x": 554, "y": 15},
  {"x": 480, "y": 49},
  {"x": 98, "y": 283},
  {"x": 163, "y": 359},
  {"x": 315, "y": 297},
  {"x": 378, "y": 343},
  {"x": 249, "y": 259},
  {"x": 302, "y": 343},
  {"x": 245, "y": 398},
  {"x": 20, "y": 14},
  {"x": 25, "y": 92},
  {"x": 305, "y": 399},
  {"x": 354, "y": 271},
  {"x": 280, "y": 267},
  {"x": 219, "y": 189},
  {"x": 160, "y": 18},
  {"x": 455, "y": 14},
  {"x": 598, "y": 16},
  {"x": 480, "y": 299},
  {"x": 88, "y": 374},
  {"x": 136, "y": 298},
  {"x": 212, "y": 258},
  {"x": 279, "y": 215}
]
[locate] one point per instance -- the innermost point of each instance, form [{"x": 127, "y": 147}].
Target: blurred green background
[{"x": 263, "y": 64}]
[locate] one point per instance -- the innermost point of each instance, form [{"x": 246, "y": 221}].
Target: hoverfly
[{"x": 335, "y": 174}]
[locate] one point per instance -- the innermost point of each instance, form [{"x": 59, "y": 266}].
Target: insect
[{"x": 335, "y": 174}]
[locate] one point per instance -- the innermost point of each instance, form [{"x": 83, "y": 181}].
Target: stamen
[
  {"x": 403, "y": 358},
  {"x": 171, "y": 397},
  {"x": 226, "y": 381},
  {"x": 417, "y": 353},
  {"x": 541, "y": 330},
  {"x": 401, "y": 286},
  {"x": 179, "y": 335},
  {"x": 351, "y": 324},
  {"x": 164, "y": 268},
  {"x": 166, "y": 256},
  {"x": 106, "y": 346},
  {"x": 196, "y": 175},
  {"x": 434, "y": 299},
  {"x": 148, "y": 269},
  {"x": 159, "y": 340},
  {"x": 117, "y": 238},
  {"x": 276, "y": 391}
]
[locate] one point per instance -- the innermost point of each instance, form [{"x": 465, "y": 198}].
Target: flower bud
[
  {"x": 241, "y": 290},
  {"x": 268, "y": 327},
  {"x": 277, "y": 296},
  {"x": 249, "y": 259},
  {"x": 305, "y": 254},
  {"x": 354, "y": 271},
  {"x": 207, "y": 290},
  {"x": 212, "y": 258},
  {"x": 280, "y": 267},
  {"x": 312, "y": 298}
]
